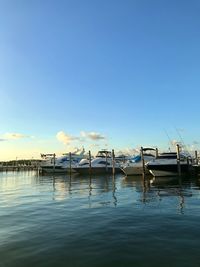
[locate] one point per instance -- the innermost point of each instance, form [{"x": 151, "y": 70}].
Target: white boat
[
  {"x": 135, "y": 165},
  {"x": 62, "y": 164},
  {"x": 166, "y": 164},
  {"x": 101, "y": 164}
]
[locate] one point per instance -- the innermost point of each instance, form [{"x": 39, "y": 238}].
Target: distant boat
[
  {"x": 101, "y": 164},
  {"x": 134, "y": 166},
  {"x": 51, "y": 163},
  {"x": 166, "y": 164}
]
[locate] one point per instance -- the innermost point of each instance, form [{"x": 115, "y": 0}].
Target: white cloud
[
  {"x": 92, "y": 135},
  {"x": 83, "y": 134},
  {"x": 65, "y": 138},
  {"x": 14, "y": 136}
]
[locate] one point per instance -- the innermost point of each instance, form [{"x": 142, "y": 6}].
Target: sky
[{"x": 98, "y": 74}]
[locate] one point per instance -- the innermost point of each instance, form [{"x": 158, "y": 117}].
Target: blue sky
[{"x": 119, "y": 71}]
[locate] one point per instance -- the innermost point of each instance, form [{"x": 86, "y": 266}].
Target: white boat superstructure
[
  {"x": 61, "y": 164},
  {"x": 135, "y": 165},
  {"x": 102, "y": 163}
]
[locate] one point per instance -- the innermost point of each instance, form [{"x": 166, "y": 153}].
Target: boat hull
[
  {"x": 134, "y": 170},
  {"x": 55, "y": 170},
  {"x": 167, "y": 170}
]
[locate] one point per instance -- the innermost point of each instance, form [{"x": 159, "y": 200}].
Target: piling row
[{"x": 16, "y": 167}]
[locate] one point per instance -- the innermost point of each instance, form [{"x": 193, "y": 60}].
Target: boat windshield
[
  {"x": 103, "y": 154},
  {"x": 136, "y": 159}
]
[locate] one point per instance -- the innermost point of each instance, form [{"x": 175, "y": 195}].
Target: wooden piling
[
  {"x": 54, "y": 162},
  {"x": 142, "y": 158},
  {"x": 106, "y": 161},
  {"x": 90, "y": 165},
  {"x": 113, "y": 162},
  {"x": 178, "y": 160},
  {"x": 70, "y": 164},
  {"x": 156, "y": 152},
  {"x": 196, "y": 157}
]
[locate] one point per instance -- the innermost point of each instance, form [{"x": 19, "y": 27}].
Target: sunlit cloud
[
  {"x": 65, "y": 138},
  {"x": 15, "y": 136},
  {"x": 92, "y": 135}
]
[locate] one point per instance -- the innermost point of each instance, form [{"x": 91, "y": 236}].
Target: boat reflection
[
  {"x": 76, "y": 186},
  {"x": 156, "y": 189},
  {"x": 107, "y": 189}
]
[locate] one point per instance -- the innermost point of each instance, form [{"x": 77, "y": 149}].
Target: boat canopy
[{"x": 148, "y": 148}]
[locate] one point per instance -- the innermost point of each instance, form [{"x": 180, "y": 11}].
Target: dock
[{"x": 20, "y": 165}]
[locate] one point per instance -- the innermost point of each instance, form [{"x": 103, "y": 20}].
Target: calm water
[{"x": 79, "y": 222}]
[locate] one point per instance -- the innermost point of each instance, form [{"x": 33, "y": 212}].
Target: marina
[
  {"x": 85, "y": 210},
  {"x": 99, "y": 141},
  {"x": 147, "y": 161}
]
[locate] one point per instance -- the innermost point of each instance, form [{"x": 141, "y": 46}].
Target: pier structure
[{"x": 20, "y": 165}]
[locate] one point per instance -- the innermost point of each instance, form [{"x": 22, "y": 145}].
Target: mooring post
[
  {"x": 90, "y": 165},
  {"x": 196, "y": 157},
  {"x": 113, "y": 162},
  {"x": 70, "y": 164},
  {"x": 54, "y": 162},
  {"x": 15, "y": 165},
  {"x": 142, "y": 158},
  {"x": 156, "y": 152},
  {"x": 106, "y": 161},
  {"x": 178, "y": 159}
]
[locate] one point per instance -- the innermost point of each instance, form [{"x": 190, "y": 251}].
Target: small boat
[
  {"x": 62, "y": 164},
  {"x": 166, "y": 164},
  {"x": 101, "y": 164},
  {"x": 134, "y": 166}
]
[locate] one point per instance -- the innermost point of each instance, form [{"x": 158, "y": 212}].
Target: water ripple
[{"x": 99, "y": 221}]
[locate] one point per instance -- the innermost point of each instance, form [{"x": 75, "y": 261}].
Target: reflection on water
[
  {"x": 95, "y": 190},
  {"x": 58, "y": 220}
]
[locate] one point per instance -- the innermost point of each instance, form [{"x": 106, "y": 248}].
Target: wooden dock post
[
  {"x": 90, "y": 165},
  {"x": 143, "y": 163},
  {"x": 70, "y": 164},
  {"x": 196, "y": 157},
  {"x": 156, "y": 152},
  {"x": 106, "y": 161},
  {"x": 178, "y": 159},
  {"x": 54, "y": 162},
  {"x": 113, "y": 162}
]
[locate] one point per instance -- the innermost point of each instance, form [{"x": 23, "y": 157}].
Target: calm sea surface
[{"x": 57, "y": 221}]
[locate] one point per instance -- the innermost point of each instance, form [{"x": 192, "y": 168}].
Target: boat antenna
[
  {"x": 170, "y": 141},
  {"x": 184, "y": 145}
]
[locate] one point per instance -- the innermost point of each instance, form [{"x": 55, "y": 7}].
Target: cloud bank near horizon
[{"x": 14, "y": 136}]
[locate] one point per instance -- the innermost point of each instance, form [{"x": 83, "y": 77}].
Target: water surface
[{"x": 99, "y": 221}]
